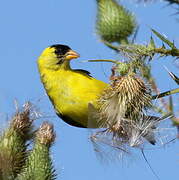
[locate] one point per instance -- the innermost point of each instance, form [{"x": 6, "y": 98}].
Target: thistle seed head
[
  {"x": 45, "y": 134},
  {"x": 122, "y": 110},
  {"x": 22, "y": 120},
  {"x": 126, "y": 98}
]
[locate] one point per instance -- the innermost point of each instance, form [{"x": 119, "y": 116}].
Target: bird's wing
[{"x": 83, "y": 72}]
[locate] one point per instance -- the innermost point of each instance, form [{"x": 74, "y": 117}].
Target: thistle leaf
[
  {"x": 170, "y": 105},
  {"x": 174, "y": 77},
  {"x": 151, "y": 43},
  {"x": 165, "y": 40}
]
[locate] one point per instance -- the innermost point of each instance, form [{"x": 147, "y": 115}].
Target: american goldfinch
[{"x": 71, "y": 91}]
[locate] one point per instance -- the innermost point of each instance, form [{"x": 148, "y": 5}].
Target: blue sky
[{"x": 27, "y": 27}]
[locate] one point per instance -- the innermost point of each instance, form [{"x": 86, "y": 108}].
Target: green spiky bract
[
  {"x": 13, "y": 145},
  {"x": 12, "y": 154},
  {"x": 39, "y": 165},
  {"x": 114, "y": 22}
]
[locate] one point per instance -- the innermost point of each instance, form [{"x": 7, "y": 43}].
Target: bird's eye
[{"x": 60, "y": 56}]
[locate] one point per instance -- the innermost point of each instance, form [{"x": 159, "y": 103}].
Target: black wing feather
[{"x": 83, "y": 72}]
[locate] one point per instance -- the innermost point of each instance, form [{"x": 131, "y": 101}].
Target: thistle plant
[
  {"x": 38, "y": 163},
  {"x": 17, "y": 160},
  {"x": 127, "y": 108},
  {"x": 13, "y": 146},
  {"x": 124, "y": 109}
]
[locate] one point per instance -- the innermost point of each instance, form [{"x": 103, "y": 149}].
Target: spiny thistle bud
[
  {"x": 114, "y": 22},
  {"x": 39, "y": 164},
  {"x": 13, "y": 143}
]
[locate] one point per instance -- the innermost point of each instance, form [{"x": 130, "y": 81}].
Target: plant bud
[{"x": 114, "y": 22}]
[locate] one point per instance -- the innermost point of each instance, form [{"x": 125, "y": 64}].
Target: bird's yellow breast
[{"x": 70, "y": 92}]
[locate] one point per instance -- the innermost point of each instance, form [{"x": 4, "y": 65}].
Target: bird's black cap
[{"x": 60, "y": 49}]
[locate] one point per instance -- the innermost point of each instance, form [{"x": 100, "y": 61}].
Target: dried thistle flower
[
  {"x": 123, "y": 108},
  {"x": 127, "y": 97},
  {"x": 45, "y": 134},
  {"x": 123, "y": 112},
  {"x": 21, "y": 121}
]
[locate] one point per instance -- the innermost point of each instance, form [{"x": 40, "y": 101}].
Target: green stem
[
  {"x": 166, "y": 93},
  {"x": 111, "y": 46},
  {"x": 172, "y": 52},
  {"x": 105, "y": 60}
]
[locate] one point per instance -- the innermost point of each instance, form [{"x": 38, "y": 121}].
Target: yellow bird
[{"x": 70, "y": 90}]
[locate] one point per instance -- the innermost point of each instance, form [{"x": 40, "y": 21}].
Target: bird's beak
[{"x": 72, "y": 55}]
